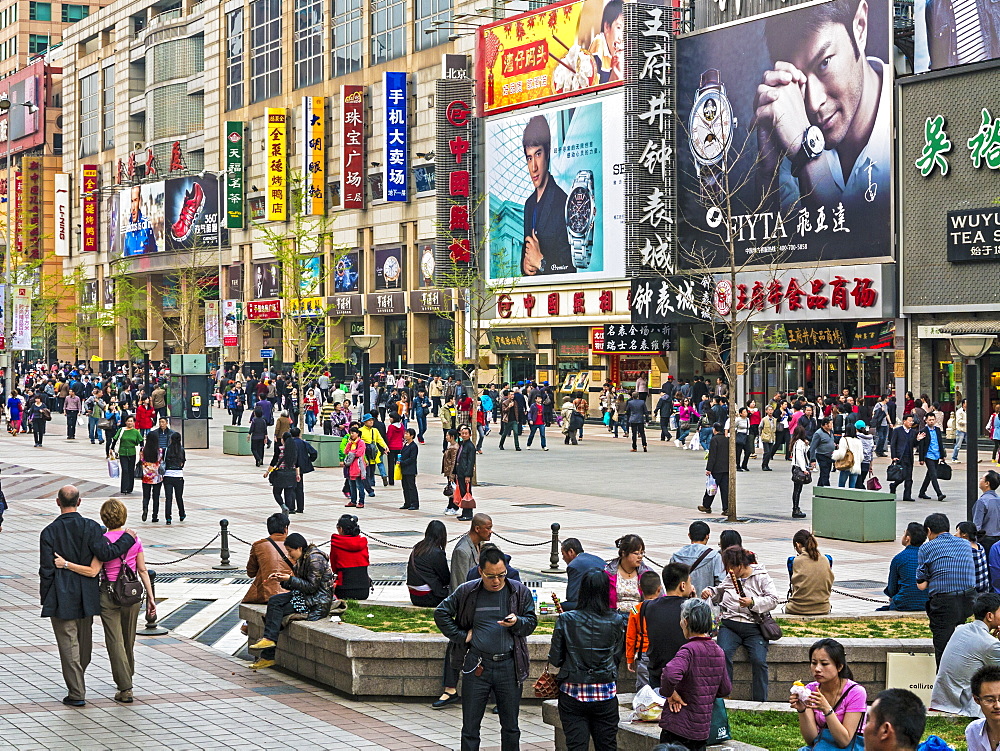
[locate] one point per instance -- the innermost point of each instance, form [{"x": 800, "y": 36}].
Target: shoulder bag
[
  {"x": 546, "y": 687},
  {"x": 769, "y": 627},
  {"x": 126, "y": 590},
  {"x": 801, "y": 476},
  {"x": 846, "y": 462},
  {"x": 894, "y": 472}
]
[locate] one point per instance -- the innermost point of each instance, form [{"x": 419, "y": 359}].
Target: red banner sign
[
  {"x": 352, "y": 171},
  {"x": 90, "y": 178},
  {"x": 32, "y": 212},
  {"x": 258, "y": 310}
]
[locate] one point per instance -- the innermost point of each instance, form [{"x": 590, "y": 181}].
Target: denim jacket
[{"x": 942, "y": 41}]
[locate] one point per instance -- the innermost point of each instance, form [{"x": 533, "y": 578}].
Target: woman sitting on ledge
[{"x": 830, "y": 714}]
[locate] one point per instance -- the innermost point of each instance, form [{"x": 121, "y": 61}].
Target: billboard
[
  {"x": 192, "y": 212},
  {"x": 563, "y": 49},
  {"x": 311, "y": 278},
  {"x": 389, "y": 268},
  {"x": 234, "y": 174},
  {"x": 396, "y": 137},
  {"x": 954, "y": 33},
  {"x": 352, "y": 143},
  {"x": 266, "y": 280},
  {"x": 24, "y": 125},
  {"x": 347, "y": 275},
  {"x": 63, "y": 226},
  {"x": 799, "y": 142},
  {"x": 276, "y": 194},
  {"x": 555, "y": 192},
  {"x": 141, "y": 221},
  {"x": 89, "y": 188}
]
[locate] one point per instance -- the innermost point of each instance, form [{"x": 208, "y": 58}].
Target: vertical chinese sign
[
  {"x": 230, "y": 319},
  {"x": 453, "y": 179},
  {"x": 90, "y": 197},
  {"x": 20, "y": 327},
  {"x": 650, "y": 191},
  {"x": 62, "y": 214},
  {"x": 212, "y": 323},
  {"x": 313, "y": 143},
  {"x": 277, "y": 164},
  {"x": 352, "y": 158},
  {"x": 32, "y": 211},
  {"x": 234, "y": 174},
  {"x": 396, "y": 150}
]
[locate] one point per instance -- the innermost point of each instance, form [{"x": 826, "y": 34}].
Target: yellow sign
[
  {"x": 741, "y": 368},
  {"x": 305, "y": 307},
  {"x": 548, "y": 54},
  {"x": 277, "y": 164},
  {"x": 313, "y": 143},
  {"x": 95, "y": 358}
]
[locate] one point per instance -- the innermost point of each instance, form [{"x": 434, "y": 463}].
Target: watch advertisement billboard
[
  {"x": 556, "y": 192},
  {"x": 563, "y": 49},
  {"x": 389, "y": 268},
  {"x": 347, "y": 274},
  {"x": 786, "y": 121}
]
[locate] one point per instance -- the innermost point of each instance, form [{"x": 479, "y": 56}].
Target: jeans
[
  {"x": 704, "y": 437},
  {"x": 421, "y": 425},
  {"x": 38, "y": 429},
  {"x": 959, "y": 440},
  {"x": 71, "y": 415},
  {"x": 410, "y": 497},
  {"x": 907, "y": 481},
  {"x": 847, "y": 480},
  {"x": 278, "y": 606},
  {"x": 481, "y": 430},
  {"x": 151, "y": 489},
  {"x": 174, "y": 486},
  {"x": 945, "y": 612},
  {"x": 769, "y": 449},
  {"x": 881, "y": 437},
  {"x": 310, "y": 420},
  {"x": 540, "y": 429},
  {"x": 92, "y": 429},
  {"x": 509, "y": 429},
  {"x": 743, "y": 452},
  {"x": 931, "y": 477},
  {"x": 357, "y": 488},
  {"x": 733, "y": 634},
  {"x": 501, "y": 679},
  {"x": 825, "y": 464},
  {"x": 237, "y": 413},
  {"x": 586, "y": 720},
  {"x": 284, "y": 497},
  {"x": 638, "y": 430}
]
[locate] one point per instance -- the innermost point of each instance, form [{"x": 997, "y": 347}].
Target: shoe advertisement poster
[
  {"x": 787, "y": 118},
  {"x": 192, "y": 212},
  {"x": 556, "y": 192}
]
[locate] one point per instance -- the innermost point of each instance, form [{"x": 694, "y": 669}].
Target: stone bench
[{"x": 360, "y": 662}]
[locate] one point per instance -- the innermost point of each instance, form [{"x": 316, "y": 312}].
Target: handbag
[
  {"x": 137, "y": 471},
  {"x": 546, "y": 687},
  {"x": 769, "y": 627},
  {"x": 943, "y": 471},
  {"x": 105, "y": 424},
  {"x": 894, "y": 472},
  {"x": 846, "y": 462},
  {"x": 126, "y": 590},
  {"x": 281, "y": 478},
  {"x": 720, "y": 723},
  {"x": 449, "y": 489},
  {"x": 801, "y": 476},
  {"x": 873, "y": 483}
]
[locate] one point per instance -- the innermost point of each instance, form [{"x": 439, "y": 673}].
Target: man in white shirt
[
  {"x": 972, "y": 646},
  {"x": 986, "y": 689}
]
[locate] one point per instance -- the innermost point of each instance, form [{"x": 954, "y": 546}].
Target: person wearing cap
[
  {"x": 372, "y": 435},
  {"x": 867, "y": 450}
]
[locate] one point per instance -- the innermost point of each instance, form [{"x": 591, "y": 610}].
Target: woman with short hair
[{"x": 349, "y": 559}]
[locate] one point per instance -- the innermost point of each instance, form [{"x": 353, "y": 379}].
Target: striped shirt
[
  {"x": 946, "y": 564},
  {"x": 969, "y": 45}
]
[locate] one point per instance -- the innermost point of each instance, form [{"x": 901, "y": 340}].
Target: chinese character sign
[
  {"x": 31, "y": 198},
  {"x": 313, "y": 136},
  {"x": 808, "y": 197},
  {"x": 673, "y": 299},
  {"x": 352, "y": 154},
  {"x": 396, "y": 155},
  {"x": 233, "y": 146},
  {"x": 554, "y": 176},
  {"x": 20, "y": 331},
  {"x": 630, "y": 338},
  {"x": 212, "y": 338},
  {"x": 455, "y": 171},
  {"x": 564, "y": 49},
  {"x": 230, "y": 323},
  {"x": 276, "y": 194},
  {"x": 90, "y": 197}
]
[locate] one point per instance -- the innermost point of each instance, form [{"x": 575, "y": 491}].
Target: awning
[{"x": 971, "y": 327}]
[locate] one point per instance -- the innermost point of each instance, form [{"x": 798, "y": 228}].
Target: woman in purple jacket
[{"x": 693, "y": 680}]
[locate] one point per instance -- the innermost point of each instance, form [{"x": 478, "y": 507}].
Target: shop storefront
[{"x": 572, "y": 356}]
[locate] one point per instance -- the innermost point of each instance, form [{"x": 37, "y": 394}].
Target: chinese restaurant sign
[{"x": 277, "y": 164}]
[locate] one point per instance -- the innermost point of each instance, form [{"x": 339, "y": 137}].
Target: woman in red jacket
[
  {"x": 349, "y": 560},
  {"x": 144, "y": 416}
]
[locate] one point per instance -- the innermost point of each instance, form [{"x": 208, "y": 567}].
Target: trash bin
[
  {"x": 235, "y": 441},
  {"x": 328, "y": 448},
  {"x": 854, "y": 514}
]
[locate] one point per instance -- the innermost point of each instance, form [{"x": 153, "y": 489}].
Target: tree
[{"x": 187, "y": 287}]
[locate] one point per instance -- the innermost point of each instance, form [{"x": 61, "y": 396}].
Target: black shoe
[
  {"x": 517, "y": 449},
  {"x": 155, "y": 520},
  {"x": 405, "y": 508},
  {"x": 798, "y": 514},
  {"x": 463, "y": 518},
  {"x": 924, "y": 497},
  {"x": 941, "y": 497},
  {"x": 167, "y": 522},
  {"x": 183, "y": 517},
  {"x": 908, "y": 500},
  {"x": 74, "y": 702},
  {"x": 442, "y": 703},
  {"x": 144, "y": 513},
  {"x": 766, "y": 469}
]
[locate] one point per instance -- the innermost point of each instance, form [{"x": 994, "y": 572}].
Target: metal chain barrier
[
  {"x": 859, "y": 597},
  {"x": 386, "y": 544},
  {"x": 522, "y": 544},
  {"x": 168, "y": 563},
  {"x": 240, "y": 539}
]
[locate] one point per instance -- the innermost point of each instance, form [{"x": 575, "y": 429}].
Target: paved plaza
[{"x": 192, "y": 692}]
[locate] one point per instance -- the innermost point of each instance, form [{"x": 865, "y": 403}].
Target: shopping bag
[
  {"x": 607, "y": 418},
  {"x": 720, "y": 723},
  {"x": 711, "y": 486},
  {"x": 647, "y": 705},
  {"x": 114, "y": 468},
  {"x": 397, "y": 473}
]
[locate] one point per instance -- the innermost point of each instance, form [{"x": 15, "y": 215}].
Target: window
[
  {"x": 346, "y": 57},
  {"x": 429, "y": 11},
  {"x": 308, "y": 42},
  {"x": 108, "y": 107},
  {"x": 74, "y": 13},
  {"x": 89, "y": 107},
  {"x": 235, "y": 75},
  {"x": 37, "y": 43},
  {"x": 388, "y": 30},
  {"x": 265, "y": 62},
  {"x": 40, "y": 11}
]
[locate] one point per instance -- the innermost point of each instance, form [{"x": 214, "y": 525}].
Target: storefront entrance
[{"x": 822, "y": 374}]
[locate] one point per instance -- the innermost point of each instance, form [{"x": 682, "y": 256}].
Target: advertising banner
[
  {"x": 141, "y": 220},
  {"x": 31, "y": 213},
  {"x": 88, "y": 186},
  {"x": 556, "y": 194},
  {"x": 212, "y": 333},
  {"x": 192, "y": 212},
  {"x": 108, "y": 292},
  {"x": 266, "y": 280},
  {"x": 230, "y": 323},
  {"x": 672, "y": 299},
  {"x": 234, "y": 281},
  {"x": 347, "y": 275},
  {"x": 397, "y": 152},
  {"x": 801, "y": 186},
  {"x": 20, "y": 328},
  {"x": 24, "y": 125},
  {"x": 311, "y": 149},
  {"x": 633, "y": 339},
  {"x": 352, "y": 156},
  {"x": 258, "y": 310},
  {"x": 454, "y": 186},
  {"x": 277, "y": 164},
  {"x": 564, "y": 49},
  {"x": 954, "y": 33},
  {"x": 62, "y": 214},
  {"x": 389, "y": 268},
  {"x": 311, "y": 278},
  {"x": 234, "y": 174}
]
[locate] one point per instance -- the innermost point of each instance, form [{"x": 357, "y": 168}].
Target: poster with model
[
  {"x": 140, "y": 220},
  {"x": 556, "y": 193},
  {"x": 954, "y": 32},
  {"x": 192, "y": 212},
  {"x": 347, "y": 274},
  {"x": 789, "y": 116}
]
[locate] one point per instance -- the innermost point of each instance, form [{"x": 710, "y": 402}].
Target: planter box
[
  {"x": 328, "y": 448},
  {"x": 854, "y": 514},
  {"x": 235, "y": 441}
]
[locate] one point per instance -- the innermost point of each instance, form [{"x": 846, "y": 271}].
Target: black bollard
[
  {"x": 554, "y": 554},
  {"x": 224, "y": 564},
  {"x": 152, "y": 628}
]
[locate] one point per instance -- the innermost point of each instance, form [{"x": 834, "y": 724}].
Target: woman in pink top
[
  {"x": 831, "y": 715},
  {"x": 119, "y": 622}
]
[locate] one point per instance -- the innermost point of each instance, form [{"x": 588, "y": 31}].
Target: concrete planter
[
  {"x": 235, "y": 441},
  {"x": 854, "y": 514}
]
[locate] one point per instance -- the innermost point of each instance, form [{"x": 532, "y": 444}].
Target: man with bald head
[
  {"x": 71, "y": 600},
  {"x": 467, "y": 549}
]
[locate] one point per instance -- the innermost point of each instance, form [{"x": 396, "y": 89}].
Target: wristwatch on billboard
[
  {"x": 391, "y": 270},
  {"x": 813, "y": 144},
  {"x": 581, "y": 211},
  {"x": 710, "y": 130}
]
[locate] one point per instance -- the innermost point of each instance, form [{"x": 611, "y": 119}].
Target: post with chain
[
  {"x": 554, "y": 553},
  {"x": 151, "y": 628},
  {"x": 224, "y": 564}
]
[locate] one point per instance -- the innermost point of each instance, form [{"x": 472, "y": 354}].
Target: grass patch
[
  {"x": 403, "y": 620},
  {"x": 779, "y": 731},
  {"x": 873, "y": 628}
]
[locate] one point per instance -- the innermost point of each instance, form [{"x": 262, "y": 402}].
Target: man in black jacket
[
  {"x": 661, "y": 619},
  {"x": 718, "y": 468},
  {"x": 487, "y": 623},
  {"x": 408, "y": 470},
  {"x": 305, "y": 454},
  {"x": 638, "y": 413},
  {"x": 904, "y": 438},
  {"x": 930, "y": 448},
  {"x": 69, "y": 599}
]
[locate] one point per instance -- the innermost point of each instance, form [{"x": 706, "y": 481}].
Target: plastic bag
[
  {"x": 711, "y": 486},
  {"x": 647, "y": 705},
  {"x": 114, "y": 468},
  {"x": 934, "y": 743}
]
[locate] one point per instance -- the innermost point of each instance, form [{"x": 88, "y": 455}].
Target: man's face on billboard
[
  {"x": 834, "y": 75},
  {"x": 538, "y": 165},
  {"x": 136, "y": 203},
  {"x": 613, "y": 35}
]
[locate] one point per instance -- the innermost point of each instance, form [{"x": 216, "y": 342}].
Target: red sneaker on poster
[{"x": 194, "y": 202}]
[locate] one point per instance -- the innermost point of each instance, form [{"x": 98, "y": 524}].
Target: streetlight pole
[
  {"x": 365, "y": 342},
  {"x": 972, "y": 347},
  {"x": 147, "y": 346}
]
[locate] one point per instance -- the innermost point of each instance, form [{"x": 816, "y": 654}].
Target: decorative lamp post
[
  {"x": 147, "y": 346},
  {"x": 365, "y": 342},
  {"x": 972, "y": 347}
]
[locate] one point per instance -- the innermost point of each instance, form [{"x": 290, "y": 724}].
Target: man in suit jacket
[
  {"x": 305, "y": 455},
  {"x": 71, "y": 600},
  {"x": 930, "y": 448},
  {"x": 904, "y": 438},
  {"x": 718, "y": 467},
  {"x": 408, "y": 470},
  {"x": 577, "y": 564}
]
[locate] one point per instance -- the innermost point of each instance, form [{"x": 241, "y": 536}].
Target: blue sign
[
  {"x": 396, "y": 150},
  {"x": 267, "y": 354}
]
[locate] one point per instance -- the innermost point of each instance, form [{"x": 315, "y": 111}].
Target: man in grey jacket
[
  {"x": 466, "y": 552},
  {"x": 577, "y": 564},
  {"x": 821, "y": 449},
  {"x": 704, "y": 560}
]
